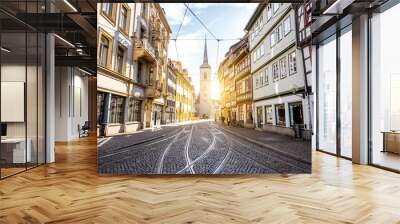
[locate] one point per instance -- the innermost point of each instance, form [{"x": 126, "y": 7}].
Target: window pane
[
  {"x": 327, "y": 96},
  {"x": 14, "y": 154},
  {"x": 259, "y": 117},
  {"x": 104, "y": 47},
  {"x": 268, "y": 115},
  {"x": 346, "y": 94},
  {"x": 385, "y": 88},
  {"x": 280, "y": 115},
  {"x": 296, "y": 114}
]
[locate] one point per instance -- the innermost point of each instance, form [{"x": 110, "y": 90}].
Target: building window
[
  {"x": 265, "y": 73},
  {"x": 259, "y": 117},
  {"x": 279, "y": 33},
  {"x": 268, "y": 115},
  {"x": 269, "y": 12},
  {"x": 286, "y": 26},
  {"x": 292, "y": 63},
  {"x": 117, "y": 109},
  {"x": 241, "y": 113},
  {"x": 275, "y": 7},
  {"x": 296, "y": 114},
  {"x": 257, "y": 81},
  {"x": 123, "y": 18},
  {"x": 280, "y": 115},
  {"x": 134, "y": 109},
  {"x": 103, "y": 51},
  {"x": 275, "y": 71},
  {"x": 249, "y": 113},
  {"x": 120, "y": 60},
  {"x": 100, "y": 107},
  {"x": 273, "y": 38},
  {"x": 108, "y": 9},
  {"x": 283, "y": 67}
]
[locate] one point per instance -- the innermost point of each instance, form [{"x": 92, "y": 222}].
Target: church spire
[{"x": 205, "y": 57}]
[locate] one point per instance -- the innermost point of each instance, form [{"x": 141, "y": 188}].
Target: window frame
[
  {"x": 269, "y": 12},
  {"x": 292, "y": 63},
  {"x": 124, "y": 30},
  {"x": 110, "y": 18},
  {"x": 132, "y": 104},
  {"x": 275, "y": 71},
  {"x": 271, "y": 115},
  {"x": 117, "y": 116},
  {"x": 104, "y": 34},
  {"x": 287, "y": 24},
  {"x": 283, "y": 67},
  {"x": 277, "y": 115},
  {"x": 116, "y": 67}
]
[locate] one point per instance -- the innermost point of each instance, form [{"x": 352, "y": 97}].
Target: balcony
[
  {"x": 154, "y": 90},
  {"x": 241, "y": 73},
  {"x": 144, "y": 50},
  {"x": 155, "y": 29},
  {"x": 247, "y": 96}
]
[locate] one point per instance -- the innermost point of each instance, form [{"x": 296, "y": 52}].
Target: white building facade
[{"x": 278, "y": 79}]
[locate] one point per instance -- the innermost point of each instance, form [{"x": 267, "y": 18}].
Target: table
[
  {"x": 17, "y": 149},
  {"x": 391, "y": 141}
]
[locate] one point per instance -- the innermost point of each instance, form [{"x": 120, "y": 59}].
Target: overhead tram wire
[
  {"x": 180, "y": 26},
  {"x": 208, "y": 30},
  {"x": 201, "y": 22},
  {"x": 212, "y": 34},
  {"x": 177, "y": 34}
]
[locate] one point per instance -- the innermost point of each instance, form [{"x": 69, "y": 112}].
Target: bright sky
[{"x": 225, "y": 20}]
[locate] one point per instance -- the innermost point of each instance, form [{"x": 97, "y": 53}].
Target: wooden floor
[{"x": 70, "y": 191}]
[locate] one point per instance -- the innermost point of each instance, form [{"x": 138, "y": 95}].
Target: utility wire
[
  {"x": 201, "y": 22},
  {"x": 180, "y": 26}
]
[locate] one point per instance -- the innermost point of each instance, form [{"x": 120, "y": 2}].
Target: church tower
[{"x": 205, "y": 106}]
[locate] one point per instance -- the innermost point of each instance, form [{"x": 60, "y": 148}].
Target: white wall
[
  {"x": 295, "y": 80},
  {"x": 267, "y": 24},
  {"x": 71, "y": 103}
]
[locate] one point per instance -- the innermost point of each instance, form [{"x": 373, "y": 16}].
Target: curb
[{"x": 265, "y": 146}]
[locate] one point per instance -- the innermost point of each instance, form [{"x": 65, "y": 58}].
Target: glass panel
[
  {"x": 41, "y": 158},
  {"x": 268, "y": 115},
  {"x": 327, "y": 95},
  {"x": 346, "y": 93},
  {"x": 296, "y": 114},
  {"x": 385, "y": 84},
  {"x": 13, "y": 80},
  {"x": 280, "y": 115},
  {"x": 31, "y": 98},
  {"x": 259, "y": 117}
]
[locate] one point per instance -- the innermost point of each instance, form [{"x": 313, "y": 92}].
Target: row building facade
[
  {"x": 262, "y": 80},
  {"x": 132, "y": 66}
]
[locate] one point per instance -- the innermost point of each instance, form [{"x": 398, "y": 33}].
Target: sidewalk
[{"x": 287, "y": 145}]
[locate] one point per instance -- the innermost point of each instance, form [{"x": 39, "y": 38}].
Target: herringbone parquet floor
[{"x": 70, "y": 191}]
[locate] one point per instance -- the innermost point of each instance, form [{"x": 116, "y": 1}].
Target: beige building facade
[{"x": 132, "y": 66}]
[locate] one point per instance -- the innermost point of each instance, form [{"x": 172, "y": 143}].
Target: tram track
[{"x": 137, "y": 146}]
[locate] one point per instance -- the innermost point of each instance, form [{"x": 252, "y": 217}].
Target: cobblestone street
[{"x": 197, "y": 148}]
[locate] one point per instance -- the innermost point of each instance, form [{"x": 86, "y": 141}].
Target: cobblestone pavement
[{"x": 198, "y": 148}]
